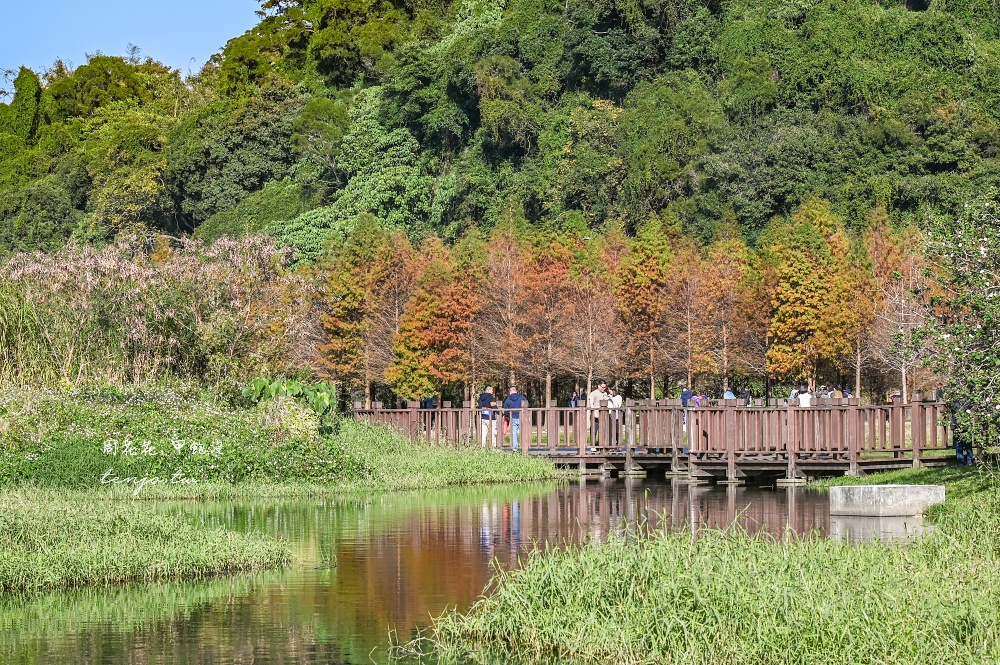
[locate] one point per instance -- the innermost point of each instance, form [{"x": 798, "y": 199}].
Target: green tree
[
  {"x": 21, "y": 118},
  {"x": 965, "y": 252},
  {"x": 384, "y": 179},
  {"x": 226, "y": 151}
]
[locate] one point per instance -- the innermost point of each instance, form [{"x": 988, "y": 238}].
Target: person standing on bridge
[
  {"x": 614, "y": 414},
  {"x": 594, "y": 399},
  {"x": 805, "y": 398},
  {"x": 488, "y": 416},
  {"x": 686, "y": 395},
  {"x": 514, "y": 402}
]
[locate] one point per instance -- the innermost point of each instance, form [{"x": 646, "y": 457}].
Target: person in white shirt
[
  {"x": 614, "y": 413},
  {"x": 594, "y": 399},
  {"x": 805, "y": 398}
]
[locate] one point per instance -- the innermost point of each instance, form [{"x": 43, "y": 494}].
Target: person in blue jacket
[{"x": 513, "y": 416}]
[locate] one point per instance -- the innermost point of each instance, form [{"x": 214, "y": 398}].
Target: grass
[
  {"x": 166, "y": 443},
  {"x": 735, "y": 597},
  {"x": 129, "y": 608},
  {"x": 50, "y": 542}
]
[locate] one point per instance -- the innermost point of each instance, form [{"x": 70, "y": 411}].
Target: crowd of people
[
  {"x": 498, "y": 419},
  {"x": 504, "y": 418}
]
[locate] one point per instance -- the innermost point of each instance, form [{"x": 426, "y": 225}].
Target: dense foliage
[
  {"x": 719, "y": 189},
  {"x": 442, "y": 116},
  {"x": 967, "y": 248}
]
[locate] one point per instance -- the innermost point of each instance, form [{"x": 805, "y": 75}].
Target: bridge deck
[{"x": 728, "y": 440}]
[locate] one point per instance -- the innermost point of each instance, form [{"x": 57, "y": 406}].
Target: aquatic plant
[
  {"x": 735, "y": 597},
  {"x": 49, "y": 542}
]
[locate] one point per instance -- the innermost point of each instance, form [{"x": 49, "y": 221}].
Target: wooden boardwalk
[{"x": 727, "y": 441}]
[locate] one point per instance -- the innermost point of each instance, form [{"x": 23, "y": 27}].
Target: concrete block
[{"x": 884, "y": 500}]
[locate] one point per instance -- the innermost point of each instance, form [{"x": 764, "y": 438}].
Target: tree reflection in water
[{"x": 368, "y": 565}]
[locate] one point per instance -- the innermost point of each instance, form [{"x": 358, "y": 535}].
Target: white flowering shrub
[{"x": 965, "y": 253}]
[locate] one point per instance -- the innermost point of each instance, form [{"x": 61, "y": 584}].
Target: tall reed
[{"x": 128, "y": 314}]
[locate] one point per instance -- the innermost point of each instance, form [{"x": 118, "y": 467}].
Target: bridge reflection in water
[{"x": 595, "y": 509}]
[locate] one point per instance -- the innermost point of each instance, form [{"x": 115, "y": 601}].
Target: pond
[{"x": 366, "y": 566}]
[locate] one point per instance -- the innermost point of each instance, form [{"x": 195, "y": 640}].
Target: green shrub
[
  {"x": 161, "y": 440},
  {"x": 277, "y": 201}
]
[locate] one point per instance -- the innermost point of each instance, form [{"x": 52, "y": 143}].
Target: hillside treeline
[
  {"x": 801, "y": 141},
  {"x": 439, "y": 117}
]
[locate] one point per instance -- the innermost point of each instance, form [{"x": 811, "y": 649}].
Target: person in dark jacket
[
  {"x": 488, "y": 416},
  {"x": 686, "y": 395},
  {"x": 513, "y": 402},
  {"x": 961, "y": 436}
]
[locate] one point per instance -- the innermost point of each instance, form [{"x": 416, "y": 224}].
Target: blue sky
[{"x": 36, "y": 32}]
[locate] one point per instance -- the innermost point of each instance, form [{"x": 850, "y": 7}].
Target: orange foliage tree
[
  {"x": 813, "y": 318},
  {"x": 369, "y": 280},
  {"x": 688, "y": 332},
  {"x": 642, "y": 300},
  {"x": 548, "y": 302},
  {"x": 431, "y": 347}
]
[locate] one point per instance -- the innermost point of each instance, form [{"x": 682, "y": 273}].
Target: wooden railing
[{"x": 832, "y": 432}]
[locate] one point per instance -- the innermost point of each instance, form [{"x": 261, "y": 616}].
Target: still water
[{"x": 366, "y": 568}]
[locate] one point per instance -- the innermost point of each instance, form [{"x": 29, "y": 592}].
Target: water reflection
[
  {"x": 367, "y": 565},
  {"x": 857, "y": 529}
]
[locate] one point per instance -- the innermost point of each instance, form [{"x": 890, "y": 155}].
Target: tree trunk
[
  {"x": 690, "y": 354},
  {"x": 368, "y": 395},
  {"x": 857, "y": 372},
  {"x": 725, "y": 358},
  {"x": 652, "y": 373}
]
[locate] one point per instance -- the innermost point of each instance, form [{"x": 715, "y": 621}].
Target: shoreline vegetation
[
  {"x": 735, "y": 597},
  {"x": 50, "y": 542},
  {"x": 166, "y": 442},
  {"x": 80, "y": 470}
]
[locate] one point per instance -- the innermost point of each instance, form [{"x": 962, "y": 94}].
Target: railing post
[
  {"x": 855, "y": 429},
  {"x": 896, "y": 426},
  {"x": 465, "y": 423},
  {"x": 918, "y": 430},
  {"x": 676, "y": 435},
  {"x": 551, "y": 426},
  {"x": 524, "y": 427},
  {"x": 413, "y": 416},
  {"x": 629, "y": 438},
  {"x": 792, "y": 442},
  {"x": 729, "y": 418}
]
